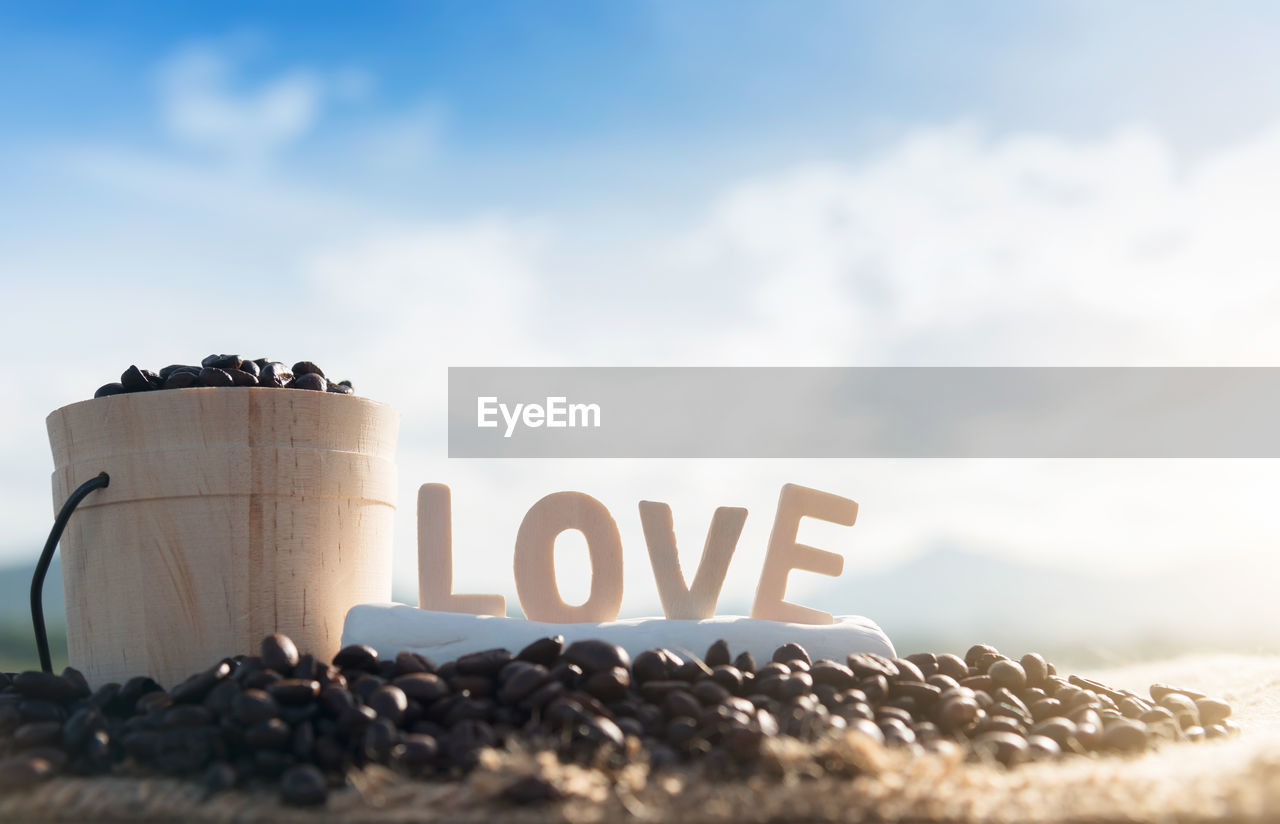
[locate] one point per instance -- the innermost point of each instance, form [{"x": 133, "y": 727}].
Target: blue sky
[
  {"x": 391, "y": 189},
  {"x": 537, "y": 101}
]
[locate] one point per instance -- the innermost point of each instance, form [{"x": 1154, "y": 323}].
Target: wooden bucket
[{"x": 232, "y": 513}]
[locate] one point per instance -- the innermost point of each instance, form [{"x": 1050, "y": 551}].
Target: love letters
[{"x": 534, "y": 567}]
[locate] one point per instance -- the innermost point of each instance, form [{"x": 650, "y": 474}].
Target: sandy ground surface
[{"x": 1233, "y": 780}]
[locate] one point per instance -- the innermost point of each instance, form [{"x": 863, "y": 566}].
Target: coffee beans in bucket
[
  {"x": 226, "y": 370},
  {"x": 288, "y": 720}
]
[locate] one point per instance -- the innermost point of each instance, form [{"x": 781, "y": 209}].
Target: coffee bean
[
  {"x": 976, "y": 652},
  {"x": 187, "y": 715},
  {"x": 942, "y": 682},
  {"x": 710, "y": 693},
  {"x": 224, "y": 370},
  {"x": 866, "y": 665},
  {"x": 309, "y": 381},
  {"x": 221, "y": 361},
  {"x": 791, "y": 651},
  {"x": 486, "y": 663},
  {"x": 718, "y": 654},
  {"x": 1008, "y": 674},
  {"x": 279, "y": 653},
  {"x": 166, "y": 371},
  {"x": 1045, "y": 708},
  {"x": 594, "y": 655},
  {"x": 254, "y": 707},
  {"x": 211, "y": 376},
  {"x": 1125, "y": 735},
  {"x": 194, "y": 689},
  {"x": 275, "y": 374},
  {"x": 379, "y": 739},
  {"x": 1042, "y": 748},
  {"x": 294, "y": 691},
  {"x": 520, "y": 679},
  {"x": 45, "y": 685},
  {"x": 357, "y": 657},
  {"x": 423, "y": 687},
  {"x": 466, "y": 739},
  {"x": 923, "y": 695},
  {"x": 957, "y": 711},
  {"x": 1159, "y": 691},
  {"x": 130, "y": 693},
  {"x": 875, "y": 688},
  {"x": 76, "y": 679},
  {"x": 681, "y": 703},
  {"x": 952, "y": 666},
  {"x": 982, "y": 683},
  {"x": 650, "y": 665},
  {"x": 416, "y": 752},
  {"x": 836, "y": 675},
  {"x": 728, "y": 677},
  {"x": 907, "y": 671},
  {"x": 82, "y": 724},
  {"x": 1006, "y": 748},
  {"x": 1183, "y": 708},
  {"x": 1035, "y": 668},
  {"x": 544, "y": 651},
  {"x": 260, "y": 717},
  {"x": 272, "y": 734},
  {"x": 1212, "y": 711},
  {"x": 303, "y": 785},
  {"x": 389, "y": 702},
  {"x": 608, "y": 685},
  {"x": 239, "y": 377},
  {"x": 897, "y": 733},
  {"x": 182, "y": 380},
  {"x": 307, "y": 368},
  {"x": 409, "y": 662},
  {"x": 139, "y": 380}
]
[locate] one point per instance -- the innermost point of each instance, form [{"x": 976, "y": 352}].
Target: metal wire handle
[{"x": 101, "y": 481}]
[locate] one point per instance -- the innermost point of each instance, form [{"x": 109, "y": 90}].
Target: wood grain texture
[
  {"x": 534, "y": 561},
  {"x": 232, "y": 513},
  {"x": 698, "y": 599}
]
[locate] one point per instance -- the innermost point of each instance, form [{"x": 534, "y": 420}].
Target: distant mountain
[
  {"x": 950, "y": 593},
  {"x": 15, "y": 593}
]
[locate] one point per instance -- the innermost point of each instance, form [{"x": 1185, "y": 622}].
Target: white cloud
[
  {"x": 1029, "y": 249},
  {"x": 403, "y": 142},
  {"x": 202, "y": 106},
  {"x": 949, "y": 248}
]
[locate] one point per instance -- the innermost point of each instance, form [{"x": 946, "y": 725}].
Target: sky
[{"x": 390, "y": 189}]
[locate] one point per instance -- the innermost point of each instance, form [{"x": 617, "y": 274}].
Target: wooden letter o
[{"x": 535, "y": 568}]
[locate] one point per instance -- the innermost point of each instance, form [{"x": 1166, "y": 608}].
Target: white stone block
[{"x": 442, "y": 636}]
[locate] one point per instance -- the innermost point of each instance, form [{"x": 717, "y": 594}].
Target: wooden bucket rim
[{"x": 136, "y": 397}]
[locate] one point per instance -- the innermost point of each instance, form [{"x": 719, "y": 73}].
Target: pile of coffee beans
[
  {"x": 301, "y": 725},
  {"x": 226, "y": 370}
]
